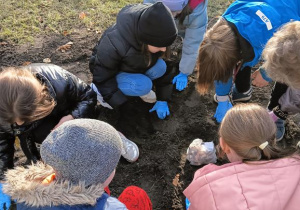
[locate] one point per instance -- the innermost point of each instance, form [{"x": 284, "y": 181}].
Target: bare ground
[{"x": 162, "y": 152}]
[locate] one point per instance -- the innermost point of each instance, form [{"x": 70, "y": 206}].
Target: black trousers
[
  {"x": 37, "y": 135},
  {"x": 277, "y": 91},
  {"x": 243, "y": 80}
]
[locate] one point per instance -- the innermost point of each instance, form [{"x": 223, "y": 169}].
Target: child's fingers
[
  {"x": 174, "y": 80},
  {"x": 253, "y": 75},
  {"x": 151, "y": 110}
]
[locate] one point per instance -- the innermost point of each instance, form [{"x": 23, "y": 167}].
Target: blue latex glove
[
  {"x": 4, "y": 199},
  {"x": 161, "y": 108},
  {"x": 222, "y": 88},
  {"x": 181, "y": 81},
  {"x": 187, "y": 203},
  {"x": 223, "y": 107}
]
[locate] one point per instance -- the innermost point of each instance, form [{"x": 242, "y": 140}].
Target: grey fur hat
[{"x": 82, "y": 150}]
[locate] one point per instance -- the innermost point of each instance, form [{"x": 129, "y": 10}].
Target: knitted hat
[
  {"x": 156, "y": 26},
  {"x": 82, "y": 150},
  {"x": 175, "y": 5}
]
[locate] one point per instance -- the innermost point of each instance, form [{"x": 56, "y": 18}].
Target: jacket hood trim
[{"x": 25, "y": 186}]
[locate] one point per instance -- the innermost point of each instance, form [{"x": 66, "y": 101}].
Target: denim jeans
[{"x": 140, "y": 84}]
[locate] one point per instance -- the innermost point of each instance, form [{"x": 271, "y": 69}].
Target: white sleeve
[{"x": 114, "y": 204}]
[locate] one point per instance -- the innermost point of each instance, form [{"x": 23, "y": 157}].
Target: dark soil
[{"x": 163, "y": 148}]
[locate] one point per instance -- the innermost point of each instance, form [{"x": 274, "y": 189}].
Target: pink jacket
[{"x": 274, "y": 185}]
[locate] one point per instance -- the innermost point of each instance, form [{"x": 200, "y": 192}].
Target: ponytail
[{"x": 250, "y": 132}]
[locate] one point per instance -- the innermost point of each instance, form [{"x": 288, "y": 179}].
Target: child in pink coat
[{"x": 260, "y": 175}]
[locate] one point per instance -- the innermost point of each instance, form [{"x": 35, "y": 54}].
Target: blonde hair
[
  {"x": 23, "y": 97},
  {"x": 282, "y": 55},
  {"x": 245, "y": 127},
  {"x": 218, "y": 54}
]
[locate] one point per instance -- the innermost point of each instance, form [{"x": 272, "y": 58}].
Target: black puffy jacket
[
  {"x": 72, "y": 96},
  {"x": 119, "y": 50}
]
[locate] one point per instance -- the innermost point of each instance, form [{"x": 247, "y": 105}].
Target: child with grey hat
[{"x": 80, "y": 158}]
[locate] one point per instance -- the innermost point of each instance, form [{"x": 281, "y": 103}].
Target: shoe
[
  {"x": 241, "y": 97},
  {"x": 149, "y": 97},
  {"x": 280, "y": 124},
  {"x": 221, "y": 98},
  {"x": 130, "y": 150},
  {"x": 99, "y": 97}
]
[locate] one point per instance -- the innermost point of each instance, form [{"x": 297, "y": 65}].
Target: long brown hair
[
  {"x": 245, "y": 127},
  {"x": 23, "y": 96},
  {"x": 218, "y": 54},
  {"x": 148, "y": 57}
]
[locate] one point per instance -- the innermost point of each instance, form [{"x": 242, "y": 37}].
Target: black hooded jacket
[
  {"x": 72, "y": 96},
  {"x": 119, "y": 50}
]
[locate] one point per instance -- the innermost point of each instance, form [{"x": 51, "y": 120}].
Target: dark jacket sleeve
[
  {"x": 106, "y": 62},
  {"x": 83, "y": 95},
  {"x": 72, "y": 94},
  {"x": 6, "y": 152},
  {"x": 278, "y": 90}
]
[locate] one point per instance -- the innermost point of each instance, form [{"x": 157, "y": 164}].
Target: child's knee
[
  {"x": 143, "y": 85},
  {"x": 135, "y": 84},
  {"x": 158, "y": 70},
  {"x": 161, "y": 66}
]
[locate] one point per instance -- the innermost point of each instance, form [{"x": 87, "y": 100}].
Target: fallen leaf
[
  {"x": 82, "y": 15},
  {"x": 3, "y": 43},
  {"x": 176, "y": 180},
  {"x": 17, "y": 143},
  {"x": 47, "y": 60},
  {"x": 65, "y": 47},
  {"x": 26, "y": 63},
  {"x": 65, "y": 33},
  {"x": 40, "y": 19}
]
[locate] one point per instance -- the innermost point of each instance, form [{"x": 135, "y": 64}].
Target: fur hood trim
[{"x": 24, "y": 186}]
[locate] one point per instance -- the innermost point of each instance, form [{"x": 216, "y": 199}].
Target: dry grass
[
  {"x": 217, "y": 7},
  {"x": 22, "y": 20}
]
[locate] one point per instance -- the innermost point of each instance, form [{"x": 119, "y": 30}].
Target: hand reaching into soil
[
  {"x": 258, "y": 80},
  {"x": 161, "y": 108},
  {"x": 223, "y": 107},
  {"x": 181, "y": 81},
  {"x": 64, "y": 119}
]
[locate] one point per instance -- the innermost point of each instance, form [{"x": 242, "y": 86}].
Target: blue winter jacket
[
  {"x": 257, "y": 21},
  {"x": 192, "y": 30},
  {"x": 99, "y": 206}
]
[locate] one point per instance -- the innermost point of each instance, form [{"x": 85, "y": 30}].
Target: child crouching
[
  {"x": 80, "y": 158},
  {"x": 260, "y": 175},
  {"x": 282, "y": 63}
]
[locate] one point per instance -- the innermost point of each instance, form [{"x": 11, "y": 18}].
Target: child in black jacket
[
  {"x": 127, "y": 60},
  {"x": 35, "y": 100}
]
